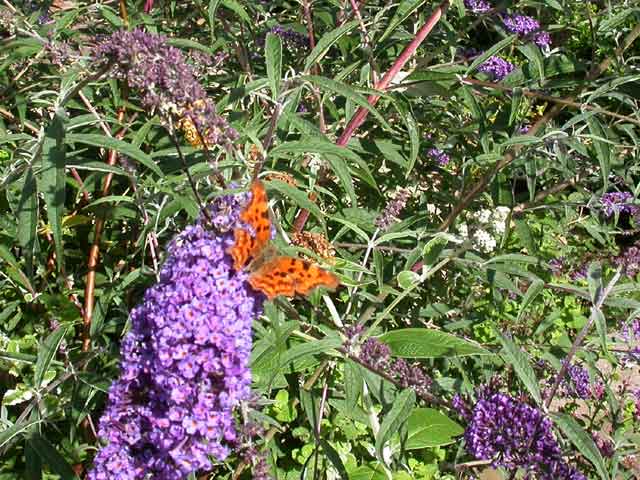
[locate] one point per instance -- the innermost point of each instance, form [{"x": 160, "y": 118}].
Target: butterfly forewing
[{"x": 256, "y": 215}]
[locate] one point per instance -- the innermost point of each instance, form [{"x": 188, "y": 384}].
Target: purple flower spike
[
  {"x": 513, "y": 434},
  {"x": 185, "y": 362},
  {"x": 496, "y": 67},
  {"x": 525, "y": 26}
]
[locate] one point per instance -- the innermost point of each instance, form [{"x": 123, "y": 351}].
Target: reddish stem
[{"x": 361, "y": 114}]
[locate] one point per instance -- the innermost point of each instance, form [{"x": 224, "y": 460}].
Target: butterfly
[{"x": 275, "y": 276}]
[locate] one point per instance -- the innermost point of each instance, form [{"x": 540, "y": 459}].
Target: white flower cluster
[{"x": 487, "y": 225}]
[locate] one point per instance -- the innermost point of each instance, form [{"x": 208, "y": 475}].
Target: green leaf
[
  {"x": 46, "y": 352},
  {"x": 601, "y": 326},
  {"x": 52, "y": 180},
  {"x": 353, "y": 383},
  {"x": 408, "y": 279},
  {"x": 14, "y": 430},
  {"x": 14, "y": 271},
  {"x": 532, "y": 52},
  {"x": 519, "y": 360},
  {"x": 533, "y": 291},
  {"x": 327, "y": 40},
  {"x": 602, "y": 148},
  {"x": 121, "y": 146},
  {"x": 428, "y": 427},
  {"x": 521, "y": 140},
  {"x": 348, "y": 92},
  {"x": 52, "y": 457},
  {"x": 516, "y": 102},
  {"x": 341, "y": 169},
  {"x": 238, "y": 10},
  {"x": 334, "y": 458},
  {"x": 524, "y": 232},
  {"x": 273, "y": 56},
  {"x": 309, "y": 348},
  {"x": 488, "y": 53},
  {"x": 427, "y": 343},
  {"x": 213, "y": 7},
  {"x": 404, "y": 10},
  {"x": 393, "y": 420},
  {"x": 583, "y": 442},
  {"x": 299, "y": 197}
]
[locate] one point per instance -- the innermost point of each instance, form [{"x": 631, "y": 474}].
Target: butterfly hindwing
[{"x": 289, "y": 276}]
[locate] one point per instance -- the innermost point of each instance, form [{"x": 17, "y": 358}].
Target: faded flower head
[
  {"x": 290, "y": 38},
  {"x": 496, "y": 67},
  {"x": 513, "y": 434},
  {"x": 185, "y": 362},
  {"x": 165, "y": 80},
  {"x": 629, "y": 260},
  {"x": 377, "y": 356},
  {"x": 394, "y": 207}
]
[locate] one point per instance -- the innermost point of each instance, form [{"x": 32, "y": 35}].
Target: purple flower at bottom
[
  {"x": 513, "y": 434},
  {"x": 497, "y": 67},
  {"x": 185, "y": 362}
]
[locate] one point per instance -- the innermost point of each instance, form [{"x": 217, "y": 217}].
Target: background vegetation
[{"x": 483, "y": 219}]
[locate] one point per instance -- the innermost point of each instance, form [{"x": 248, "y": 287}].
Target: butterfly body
[{"x": 279, "y": 275}]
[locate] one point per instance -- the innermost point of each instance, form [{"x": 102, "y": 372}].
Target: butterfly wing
[
  {"x": 256, "y": 215},
  {"x": 289, "y": 276}
]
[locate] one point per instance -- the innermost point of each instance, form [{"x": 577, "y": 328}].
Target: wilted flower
[
  {"x": 496, "y": 67},
  {"x": 377, "y": 356},
  {"x": 185, "y": 362},
  {"x": 393, "y": 209},
  {"x": 513, "y": 434},
  {"x": 290, "y": 37},
  {"x": 629, "y": 260},
  {"x": 167, "y": 83}
]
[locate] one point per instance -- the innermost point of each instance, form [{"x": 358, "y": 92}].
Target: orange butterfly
[{"x": 276, "y": 276}]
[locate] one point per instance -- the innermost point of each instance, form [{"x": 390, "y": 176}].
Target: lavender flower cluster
[
  {"x": 629, "y": 260},
  {"x": 477, "y": 6},
  {"x": 618, "y": 202},
  {"x": 513, "y": 434},
  {"x": 496, "y": 67},
  {"x": 377, "y": 356},
  {"x": 393, "y": 208},
  {"x": 185, "y": 362},
  {"x": 577, "y": 384},
  {"x": 439, "y": 156},
  {"x": 166, "y": 81},
  {"x": 527, "y": 27}
]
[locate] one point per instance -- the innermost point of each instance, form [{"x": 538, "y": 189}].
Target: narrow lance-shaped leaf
[
  {"x": 520, "y": 363},
  {"x": 273, "y": 56},
  {"x": 52, "y": 180},
  {"x": 28, "y": 220},
  {"x": 400, "y": 411}
]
